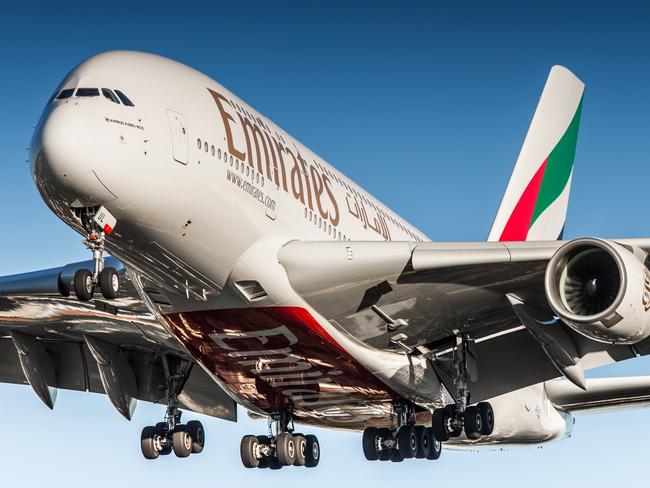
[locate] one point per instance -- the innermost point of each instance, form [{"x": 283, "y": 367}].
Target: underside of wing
[
  {"x": 117, "y": 347},
  {"x": 419, "y": 297}
]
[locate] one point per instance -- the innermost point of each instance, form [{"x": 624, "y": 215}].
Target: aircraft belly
[{"x": 275, "y": 357}]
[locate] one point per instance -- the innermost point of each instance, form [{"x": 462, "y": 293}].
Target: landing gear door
[{"x": 180, "y": 141}]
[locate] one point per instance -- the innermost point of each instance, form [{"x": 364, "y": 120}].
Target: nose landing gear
[{"x": 85, "y": 280}]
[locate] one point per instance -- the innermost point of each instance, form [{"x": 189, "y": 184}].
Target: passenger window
[
  {"x": 67, "y": 93},
  {"x": 110, "y": 95},
  {"x": 124, "y": 98},
  {"x": 87, "y": 92}
]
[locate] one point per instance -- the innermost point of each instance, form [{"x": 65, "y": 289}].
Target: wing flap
[{"x": 601, "y": 394}]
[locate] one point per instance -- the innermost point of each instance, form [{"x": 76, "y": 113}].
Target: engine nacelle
[{"x": 601, "y": 290}]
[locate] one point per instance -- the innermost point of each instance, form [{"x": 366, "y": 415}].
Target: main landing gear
[
  {"x": 405, "y": 442},
  {"x": 171, "y": 435},
  {"x": 285, "y": 448},
  {"x": 106, "y": 278},
  {"x": 452, "y": 420}
]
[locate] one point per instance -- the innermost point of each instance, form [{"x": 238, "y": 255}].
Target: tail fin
[{"x": 534, "y": 205}]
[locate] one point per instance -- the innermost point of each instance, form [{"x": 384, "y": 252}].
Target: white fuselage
[{"x": 206, "y": 191}]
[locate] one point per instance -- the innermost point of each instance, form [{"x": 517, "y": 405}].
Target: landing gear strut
[
  {"x": 285, "y": 448},
  {"x": 171, "y": 435},
  {"x": 106, "y": 278},
  {"x": 404, "y": 442},
  {"x": 452, "y": 420}
]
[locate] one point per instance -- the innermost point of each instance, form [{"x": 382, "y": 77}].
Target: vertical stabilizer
[{"x": 535, "y": 203}]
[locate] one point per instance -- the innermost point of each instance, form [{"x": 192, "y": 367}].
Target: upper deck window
[
  {"x": 124, "y": 98},
  {"x": 67, "y": 93},
  {"x": 87, "y": 92},
  {"x": 110, "y": 95}
]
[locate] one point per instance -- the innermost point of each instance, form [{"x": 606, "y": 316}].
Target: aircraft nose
[{"x": 64, "y": 163}]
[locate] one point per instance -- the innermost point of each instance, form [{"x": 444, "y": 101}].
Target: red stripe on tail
[{"x": 516, "y": 228}]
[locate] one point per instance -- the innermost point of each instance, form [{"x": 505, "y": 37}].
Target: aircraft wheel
[
  {"x": 396, "y": 456},
  {"x": 285, "y": 448},
  {"x": 83, "y": 285},
  {"x": 439, "y": 421},
  {"x": 109, "y": 282},
  {"x": 197, "y": 433},
  {"x": 301, "y": 450},
  {"x": 473, "y": 424},
  {"x": 369, "y": 442},
  {"x": 249, "y": 445},
  {"x": 456, "y": 430},
  {"x": 487, "y": 417},
  {"x": 160, "y": 431},
  {"x": 264, "y": 462},
  {"x": 435, "y": 447},
  {"x": 181, "y": 442},
  {"x": 312, "y": 453},
  {"x": 148, "y": 443},
  {"x": 385, "y": 454},
  {"x": 407, "y": 440},
  {"x": 424, "y": 441}
]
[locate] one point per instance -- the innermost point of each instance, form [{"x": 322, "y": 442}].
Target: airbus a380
[{"x": 246, "y": 270}]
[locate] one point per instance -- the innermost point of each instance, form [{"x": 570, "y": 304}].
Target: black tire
[
  {"x": 487, "y": 417},
  {"x": 197, "y": 433},
  {"x": 385, "y": 454},
  {"x": 439, "y": 421},
  {"x": 181, "y": 442},
  {"x": 160, "y": 429},
  {"x": 396, "y": 456},
  {"x": 247, "y": 450},
  {"x": 473, "y": 423},
  {"x": 285, "y": 448},
  {"x": 266, "y": 460},
  {"x": 407, "y": 441},
  {"x": 274, "y": 463},
  {"x": 456, "y": 430},
  {"x": 83, "y": 285},
  {"x": 148, "y": 443},
  {"x": 301, "y": 450},
  {"x": 109, "y": 283},
  {"x": 312, "y": 455},
  {"x": 369, "y": 442},
  {"x": 435, "y": 447},
  {"x": 424, "y": 441}
]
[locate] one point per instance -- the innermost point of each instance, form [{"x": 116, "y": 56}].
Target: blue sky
[{"x": 425, "y": 105}]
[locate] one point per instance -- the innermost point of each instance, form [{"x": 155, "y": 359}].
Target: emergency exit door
[{"x": 180, "y": 141}]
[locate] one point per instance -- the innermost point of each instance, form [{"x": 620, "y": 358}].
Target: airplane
[{"x": 231, "y": 266}]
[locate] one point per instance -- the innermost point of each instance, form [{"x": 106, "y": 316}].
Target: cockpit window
[
  {"x": 53, "y": 97},
  {"x": 110, "y": 95},
  {"x": 87, "y": 92},
  {"x": 67, "y": 93},
  {"x": 124, "y": 98}
]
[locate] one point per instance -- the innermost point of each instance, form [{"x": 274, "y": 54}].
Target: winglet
[{"x": 535, "y": 203}]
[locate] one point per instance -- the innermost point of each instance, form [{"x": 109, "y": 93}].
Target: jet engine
[{"x": 601, "y": 289}]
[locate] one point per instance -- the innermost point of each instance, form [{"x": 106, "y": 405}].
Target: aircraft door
[{"x": 180, "y": 141}]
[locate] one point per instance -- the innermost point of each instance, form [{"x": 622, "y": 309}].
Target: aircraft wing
[
  {"x": 51, "y": 341},
  {"x": 602, "y": 394},
  {"x": 419, "y": 297}
]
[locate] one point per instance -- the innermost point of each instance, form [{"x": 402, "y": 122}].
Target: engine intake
[{"x": 600, "y": 289}]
